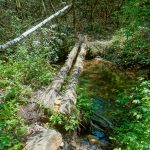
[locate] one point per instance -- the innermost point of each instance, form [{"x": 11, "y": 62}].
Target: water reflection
[{"x": 104, "y": 79}]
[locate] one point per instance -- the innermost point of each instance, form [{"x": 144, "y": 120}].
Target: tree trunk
[
  {"x": 25, "y": 34},
  {"x": 43, "y": 139},
  {"x": 52, "y": 92},
  {"x": 69, "y": 97}
]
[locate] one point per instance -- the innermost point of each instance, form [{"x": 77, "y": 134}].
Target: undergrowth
[
  {"x": 133, "y": 129},
  {"x": 131, "y": 40},
  {"x": 24, "y": 68},
  {"x": 18, "y": 78},
  {"x": 81, "y": 113}
]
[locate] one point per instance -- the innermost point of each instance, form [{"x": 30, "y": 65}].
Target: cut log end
[{"x": 44, "y": 139}]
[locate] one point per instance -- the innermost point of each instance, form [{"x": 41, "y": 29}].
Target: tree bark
[
  {"x": 69, "y": 97},
  {"x": 52, "y": 92},
  {"x": 43, "y": 139},
  {"x": 25, "y": 34}
]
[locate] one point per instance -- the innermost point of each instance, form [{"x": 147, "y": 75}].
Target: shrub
[
  {"x": 12, "y": 130},
  {"x": 133, "y": 129},
  {"x": 132, "y": 46},
  {"x": 20, "y": 73},
  {"x": 80, "y": 113}
]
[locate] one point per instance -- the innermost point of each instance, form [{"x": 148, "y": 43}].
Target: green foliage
[
  {"x": 11, "y": 25},
  {"x": 68, "y": 123},
  {"x": 84, "y": 103},
  {"x": 20, "y": 73},
  {"x": 134, "y": 13},
  {"x": 26, "y": 67},
  {"x": 61, "y": 43},
  {"x": 134, "y": 49},
  {"x": 92, "y": 28},
  {"x": 133, "y": 130},
  {"x": 11, "y": 128},
  {"x": 133, "y": 45},
  {"x": 27, "y": 70},
  {"x": 80, "y": 113}
]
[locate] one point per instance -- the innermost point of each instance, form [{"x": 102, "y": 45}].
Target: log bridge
[
  {"x": 53, "y": 97},
  {"x": 59, "y": 101}
]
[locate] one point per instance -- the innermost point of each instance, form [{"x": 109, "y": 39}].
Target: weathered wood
[
  {"x": 98, "y": 48},
  {"x": 69, "y": 97},
  {"x": 43, "y": 139},
  {"x": 25, "y": 34},
  {"x": 51, "y": 93}
]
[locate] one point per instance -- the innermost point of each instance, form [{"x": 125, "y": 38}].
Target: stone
[
  {"x": 98, "y": 134},
  {"x": 93, "y": 147},
  {"x": 84, "y": 142},
  {"x": 93, "y": 139},
  {"x": 44, "y": 139}
]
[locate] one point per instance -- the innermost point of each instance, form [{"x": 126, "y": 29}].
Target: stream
[{"x": 104, "y": 81}]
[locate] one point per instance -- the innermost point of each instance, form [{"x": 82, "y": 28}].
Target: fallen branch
[{"x": 25, "y": 34}]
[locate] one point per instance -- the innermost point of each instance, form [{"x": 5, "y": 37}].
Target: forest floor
[{"x": 101, "y": 79}]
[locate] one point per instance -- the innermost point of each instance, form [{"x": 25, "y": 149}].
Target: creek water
[{"x": 104, "y": 81}]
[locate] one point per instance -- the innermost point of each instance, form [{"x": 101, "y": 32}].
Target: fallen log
[
  {"x": 69, "y": 97},
  {"x": 25, "y": 34},
  {"x": 99, "y": 48},
  {"x": 48, "y": 97},
  {"x": 43, "y": 139}
]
